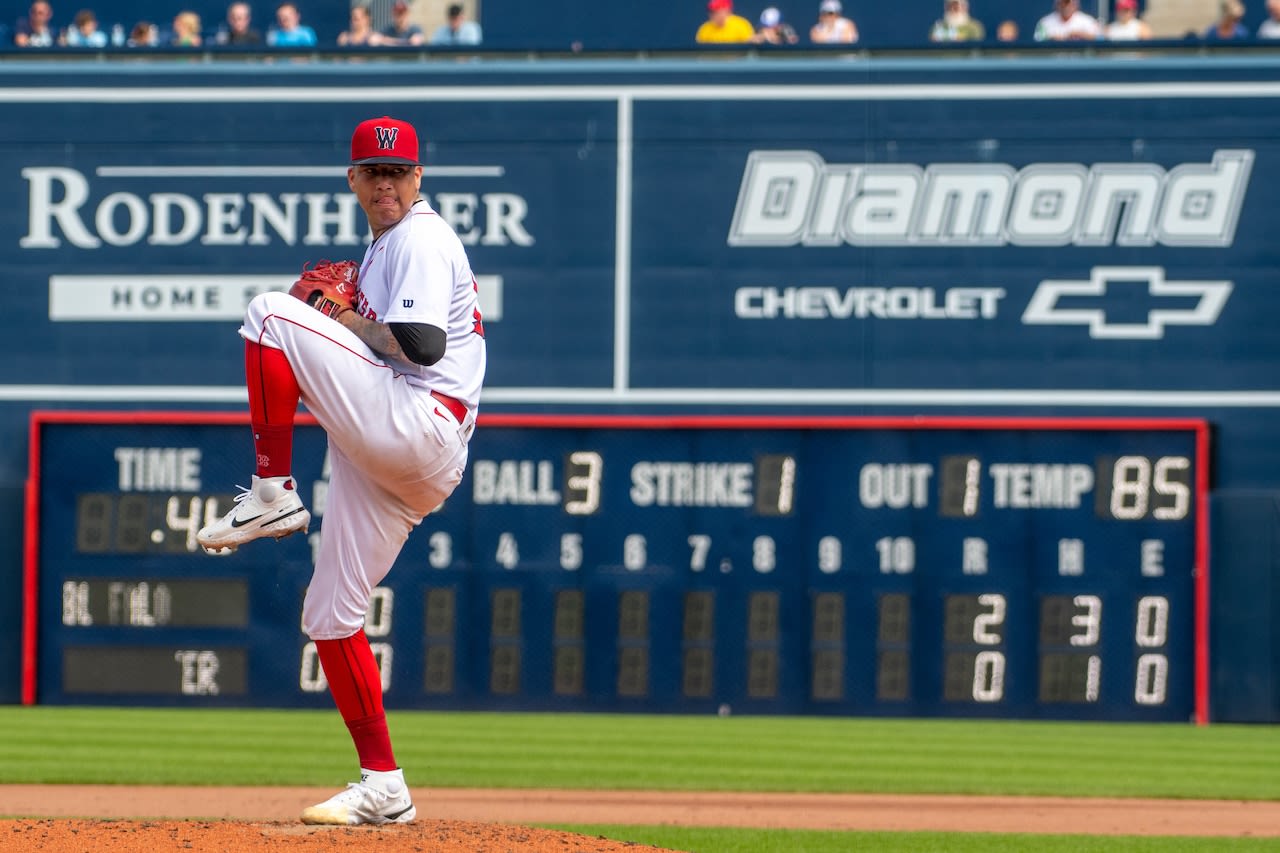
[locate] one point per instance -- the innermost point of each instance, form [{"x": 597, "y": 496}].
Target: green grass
[
  {"x": 602, "y": 751},
  {"x": 621, "y": 752},
  {"x": 696, "y": 840}
]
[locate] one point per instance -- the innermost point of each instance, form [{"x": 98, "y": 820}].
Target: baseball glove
[{"x": 328, "y": 287}]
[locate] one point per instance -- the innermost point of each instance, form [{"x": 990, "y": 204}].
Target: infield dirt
[{"x": 110, "y": 818}]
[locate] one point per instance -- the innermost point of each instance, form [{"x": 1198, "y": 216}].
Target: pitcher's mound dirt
[
  {"x": 154, "y": 819},
  {"x": 428, "y": 836}
]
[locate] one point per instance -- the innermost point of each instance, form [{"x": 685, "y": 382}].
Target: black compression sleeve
[{"x": 422, "y": 343}]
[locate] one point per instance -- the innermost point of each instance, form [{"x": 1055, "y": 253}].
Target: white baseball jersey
[
  {"x": 417, "y": 272},
  {"x": 1052, "y": 27},
  {"x": 395, "y": 454}
]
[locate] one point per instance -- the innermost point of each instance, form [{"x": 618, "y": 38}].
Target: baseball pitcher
[{"x": 389, "y": 357}]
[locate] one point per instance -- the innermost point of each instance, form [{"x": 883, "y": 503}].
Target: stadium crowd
[
  {"x": 831, "y": 24},
  {"x": 1064, "y": 22},
  {"x": 39, "y": 29}
]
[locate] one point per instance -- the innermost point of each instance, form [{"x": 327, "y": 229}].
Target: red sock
[
  {"x": 356, "y": 686},
  {"x": 273, "y": 402}
]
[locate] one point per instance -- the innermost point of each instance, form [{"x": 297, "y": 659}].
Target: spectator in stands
[
  {"x": 774, "y": 30},
  {"x": 1068, "y": 23},
  {"x": 360, "y": 31},
  {"x": 84, "y": 31},
  {"x": 1128, "y": 26},
  {"x": 1007, "y": 30},
  {"x": 1270, "y": 28},
  {"x": 239, "y": 29},
  {"x": 144, "y": 34},
  {"x": 1228, "y": 26},
  {"x": 722, "y": 26},
  {"x": 832, "y": 26},
  {"x": 402, "y": 30},
  {"x": 35, "y": 30},
  {"x": 956, "y": 24},
  {"x": 186, "y": 30},
  {"x": 456, "y": 29},
  {"x": 289, "y": 30}
]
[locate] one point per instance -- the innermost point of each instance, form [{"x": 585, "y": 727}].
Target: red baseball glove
[{"x": 328, "y": 287}]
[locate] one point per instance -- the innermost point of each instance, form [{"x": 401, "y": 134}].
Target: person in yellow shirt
[{"x": 724, "y": 27}]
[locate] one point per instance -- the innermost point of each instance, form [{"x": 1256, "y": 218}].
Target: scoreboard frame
[{"x": 37, "y": 527}]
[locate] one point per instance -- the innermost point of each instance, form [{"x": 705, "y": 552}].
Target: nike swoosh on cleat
[
  {"x": 395, "y": 816},
  {"x": 235, "y": 522}
]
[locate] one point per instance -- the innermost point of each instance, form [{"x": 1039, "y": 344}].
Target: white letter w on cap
[{"x": 386, "y": 137}]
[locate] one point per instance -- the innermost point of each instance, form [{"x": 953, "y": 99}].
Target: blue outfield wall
[{"x": 990, "y": 238}]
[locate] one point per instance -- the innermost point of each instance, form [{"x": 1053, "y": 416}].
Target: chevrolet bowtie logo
[{"x": 1044, "y": 308}]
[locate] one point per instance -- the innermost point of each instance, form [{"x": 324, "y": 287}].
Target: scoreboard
[{"x": 978, "y": 567}]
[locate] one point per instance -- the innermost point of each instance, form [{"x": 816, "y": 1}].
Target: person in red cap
[
  {"x": 724, "y": 27},
  {"x": 1127, "y": 26},
  {"x": 390, "y": 363}
]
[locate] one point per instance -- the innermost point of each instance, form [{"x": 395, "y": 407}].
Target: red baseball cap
[
  {"x": 717, "y": 5},
  {"x": 384, "y": 140}
]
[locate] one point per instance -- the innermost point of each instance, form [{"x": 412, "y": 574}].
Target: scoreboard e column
[{"x": 980, "y": 567}]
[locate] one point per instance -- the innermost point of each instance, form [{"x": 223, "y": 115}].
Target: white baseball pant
[{"x": 395, "y": 454}]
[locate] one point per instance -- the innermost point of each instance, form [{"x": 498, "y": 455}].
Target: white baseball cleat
[
  {"x": 270, "y": 507},
  {"x": 378, "y": 798}
]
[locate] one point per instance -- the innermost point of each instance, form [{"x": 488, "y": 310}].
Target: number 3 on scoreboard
[{"x": 583, "y": 470}]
